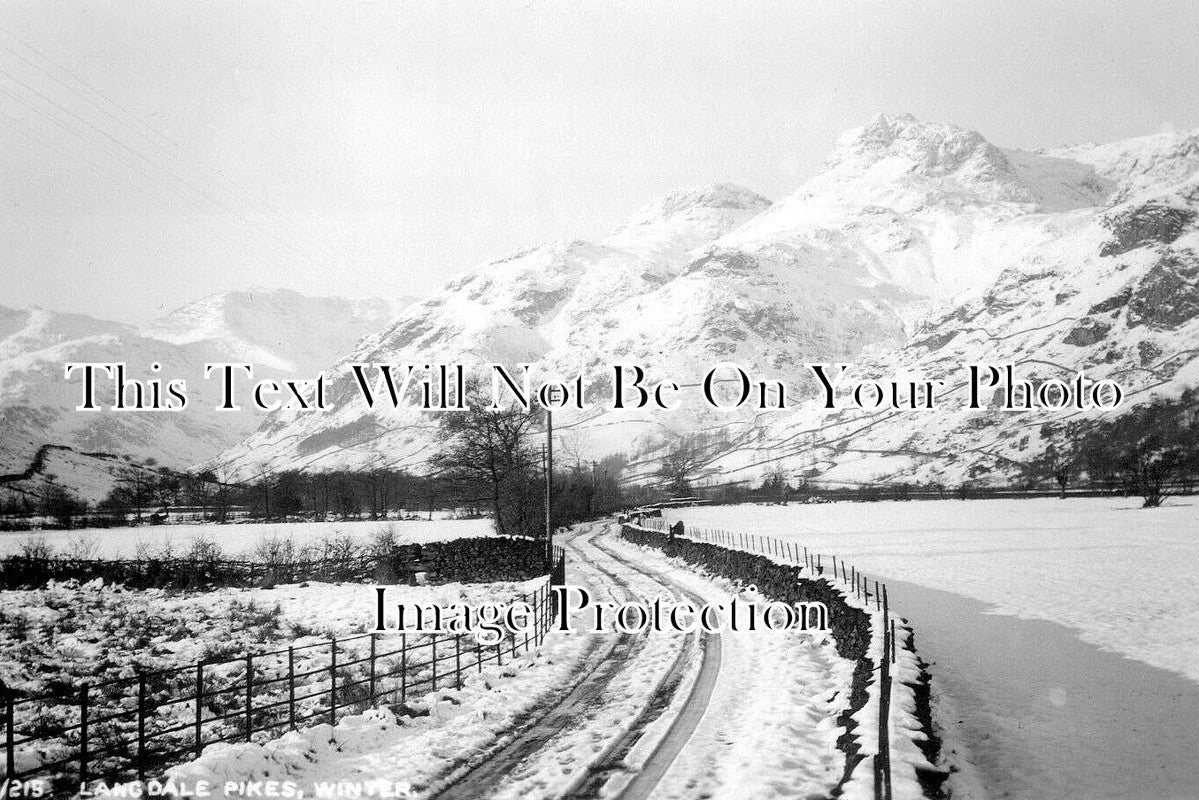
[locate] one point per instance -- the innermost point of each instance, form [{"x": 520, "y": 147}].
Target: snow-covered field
[
  {"x": 239, "y": 539},
  {"x": 54, "y": 639},
  {"x": 1126, "y": 578},
  {"x": 67, "y": 632},
  {"x": 1063, "y": 634}
]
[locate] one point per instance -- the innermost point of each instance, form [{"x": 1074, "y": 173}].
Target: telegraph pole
[{"x": 548, "y": 458}]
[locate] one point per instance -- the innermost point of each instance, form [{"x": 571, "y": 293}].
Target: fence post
[
  {"x": 372, "y": 672},
  {"x": 10, "y": 720},
  {"x": 291, "y": 687},
  {"x": 141, "y": 726},
  {"x": 537, "y": 617},
  {"x": 199, "y": 723},
  {"x": 249, "y": 695},
  {"x": 884, "y": 734},
  {"x": 878, "y": 601},
  {"x": 458, "y": 662},
  {"x": 333, "y": 681},
  {"x": 83, "y": 690},
  {"x": 433, "y": 661},
  {"x": 533, "y": 604},
  {"x": 403, "y": 668},
  {"x": 547, "y": 613}
]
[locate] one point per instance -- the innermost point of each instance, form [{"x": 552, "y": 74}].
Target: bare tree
[
  {"x": 1151, "y": 450},
  {"x": 490, "y": 451},
  {"x": 1059, "y": 460},
  {"x": 683, "y": 458}
]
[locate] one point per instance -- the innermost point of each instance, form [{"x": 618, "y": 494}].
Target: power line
[
  {"x": 252, "y": 228},
  {"x": 24, "y": 129},
  {"x": 168, "y": 146}
]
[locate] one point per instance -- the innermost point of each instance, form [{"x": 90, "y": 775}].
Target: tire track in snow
[
  {"x": 573, "y": 711},
  {"x": 687, "y": 717},
  {"x": 569, "y": 709}
]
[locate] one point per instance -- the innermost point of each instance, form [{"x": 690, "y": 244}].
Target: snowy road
[
  {"x": 587, "y": 715},
  {"x": 728, "y": 716},
  {"x": 576, "y": 743}
]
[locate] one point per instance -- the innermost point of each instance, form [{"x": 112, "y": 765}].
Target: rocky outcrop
[{"x": 1168, "y": 295}]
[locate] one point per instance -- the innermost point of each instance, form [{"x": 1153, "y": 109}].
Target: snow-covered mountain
[
  {"x": 921, "y": 247},
  {"x": 1114, "y": 292},
  {"x": 282, "y": 333},
  {"x": 278, "y": 328}
]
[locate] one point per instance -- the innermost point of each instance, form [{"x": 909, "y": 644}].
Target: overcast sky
[{"x": 151, "y": 153}]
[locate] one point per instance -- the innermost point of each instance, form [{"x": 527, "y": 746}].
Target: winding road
[
  {"x": 667, "y": 715},
  {"x": 604, "y": 574}
]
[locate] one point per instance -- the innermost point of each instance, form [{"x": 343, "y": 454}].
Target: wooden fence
[{"x": 136, "y": 726}]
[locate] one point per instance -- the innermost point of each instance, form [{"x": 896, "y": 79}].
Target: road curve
[{"x": 604, "y": 572}]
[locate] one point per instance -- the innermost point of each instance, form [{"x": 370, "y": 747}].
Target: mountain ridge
[
  {"x": 37, "y": 403},
  {"x": 917, "y": 240}
]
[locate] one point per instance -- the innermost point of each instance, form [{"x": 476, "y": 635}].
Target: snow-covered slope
[
  {"x": 37, "y": 403},
  {"x": 1114, "y": 292},
  {"x": 282, "y": 333},
  {"x": 277, "y": 328},
  {"x": 657, "y": 292},
  {"x": 920, "y": 246}
]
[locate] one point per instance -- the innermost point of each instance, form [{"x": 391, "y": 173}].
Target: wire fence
[
  {"x": 871, "y": 591},
  {"x": 137, "y": 725}
]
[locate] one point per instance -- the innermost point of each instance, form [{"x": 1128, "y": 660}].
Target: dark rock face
[
  {"x": 1112, "y": 303},
  {"x": 723, "y": 261},
  {"x": 1168, "y": 295},
  {"x": 1149, "y": 353},
  {"x": 1152, "y": 223},
  {"x": 356, "y": 432},
  {"x": 773, "y": 321},
  {"x": 535, "y": 306},
  {"x": 936, "y": 341},
  {"x": 1087, "y": 332}
]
